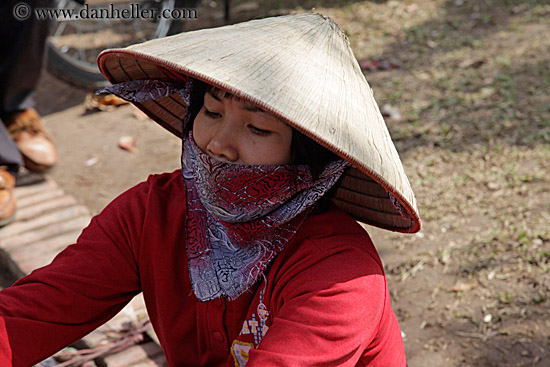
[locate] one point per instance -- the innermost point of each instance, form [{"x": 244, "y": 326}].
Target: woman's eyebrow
[
  {"x": 215, "y": 93},
  {"x": 251, "y": 107}
]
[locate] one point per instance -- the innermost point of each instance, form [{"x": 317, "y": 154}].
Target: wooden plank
[
  {"x": 42, "y": 253},
  {"x": 138, "y": 303},
  {"x": 157, "y": 361},
  {"x": 39, "y": 197},
  {"x": 42, "y": 221},
  {"x": 21, "y": 192},
  {"x": 52, "y": 245},
  {"x": 43, "y": 233},
  {"x": 44, "y": 207},
  {"x": 133, "y": 355},
  {"x": 98, "y": 335}
]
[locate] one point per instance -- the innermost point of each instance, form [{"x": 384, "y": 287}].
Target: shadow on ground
[
  {"x": 485, "y": 68},
  {"x": 53, "y": 95}
]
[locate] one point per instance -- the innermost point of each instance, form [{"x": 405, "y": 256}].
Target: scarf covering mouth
[{"x": 240, "y": 216}]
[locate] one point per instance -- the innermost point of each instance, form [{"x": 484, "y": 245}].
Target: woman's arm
[{"x": 84, "y": 286}]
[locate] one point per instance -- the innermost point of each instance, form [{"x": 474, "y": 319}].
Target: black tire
[
  {"x": 67, "y": 70},
  {"x": 83, "y": 76}
]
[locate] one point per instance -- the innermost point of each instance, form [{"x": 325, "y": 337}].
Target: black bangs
[{"x": 307, "y": 151}]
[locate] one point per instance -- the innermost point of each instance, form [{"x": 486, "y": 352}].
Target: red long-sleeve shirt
[{"x": 323, "y": 302}]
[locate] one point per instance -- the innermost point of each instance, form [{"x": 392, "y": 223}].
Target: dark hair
[
  {"x": 306, "y": 151},
  {"x": 303, "y": 149}
]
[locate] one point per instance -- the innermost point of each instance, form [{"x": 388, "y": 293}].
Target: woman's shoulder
[
  {"x": 332, "y": 239},
  {"x": 170, "y": 182},
  {"x": 155, "y": 192},
  {"x": 157, "y": 185},
  {"x": 330, "y": 251},
  {"x": 335, "y": 229}
]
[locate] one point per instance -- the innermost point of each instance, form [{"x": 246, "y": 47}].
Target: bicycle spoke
[{"x": 80, "y": 40}]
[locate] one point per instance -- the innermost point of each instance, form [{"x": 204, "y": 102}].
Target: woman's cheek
[{"x": 200, "y": 133}]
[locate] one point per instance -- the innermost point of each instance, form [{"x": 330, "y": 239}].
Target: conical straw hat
[{"x": 301, "y": 69}]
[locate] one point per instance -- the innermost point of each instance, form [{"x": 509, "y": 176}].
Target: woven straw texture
[{"x": 301, "y": 69}]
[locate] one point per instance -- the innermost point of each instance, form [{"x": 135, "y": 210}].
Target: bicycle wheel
[{"x": 74, "y": 44}]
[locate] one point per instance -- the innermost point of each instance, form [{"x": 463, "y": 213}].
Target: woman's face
[{"x": 234, "y": 131}]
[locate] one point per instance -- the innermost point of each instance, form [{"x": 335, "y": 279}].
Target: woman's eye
[
  {"x": 212, "y": 114},
  {"x": 258, "y": 131}
]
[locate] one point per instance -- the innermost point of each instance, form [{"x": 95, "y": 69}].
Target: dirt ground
[{"x": 472, "y": 87}]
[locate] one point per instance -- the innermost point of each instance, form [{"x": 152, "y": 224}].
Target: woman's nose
[{"x": 222, "y": 145}]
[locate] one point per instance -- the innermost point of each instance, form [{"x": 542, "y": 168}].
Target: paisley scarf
[
  {"x": 149, "y": 89},
  {"x": 238, "y": 216}
]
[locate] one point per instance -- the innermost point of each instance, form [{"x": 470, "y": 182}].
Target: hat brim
[{"x": 363, "y": 192}]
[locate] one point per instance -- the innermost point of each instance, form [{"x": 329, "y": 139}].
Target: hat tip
[{"x": 333, "y": 25}]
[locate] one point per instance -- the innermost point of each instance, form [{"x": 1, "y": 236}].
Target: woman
[{"x": 247, "y": 255}]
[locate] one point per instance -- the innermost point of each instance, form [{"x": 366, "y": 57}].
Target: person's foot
[
  {"x": 7, "y": 199},
  {"x": 34, "y": 142}
]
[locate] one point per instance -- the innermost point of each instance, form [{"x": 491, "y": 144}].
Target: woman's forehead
[{"x": 219, "y": 94}]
